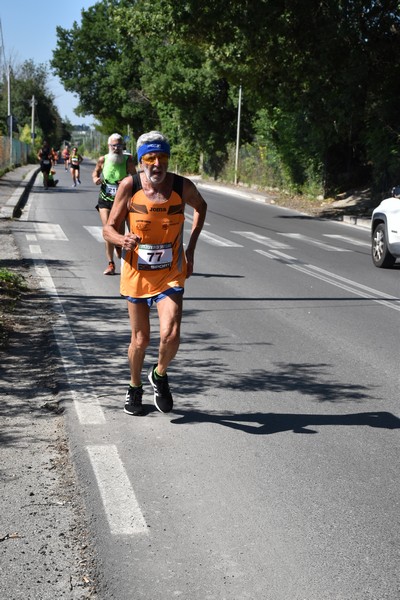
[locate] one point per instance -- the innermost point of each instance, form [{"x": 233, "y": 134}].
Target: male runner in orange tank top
[{"x": 154, "y": 263}]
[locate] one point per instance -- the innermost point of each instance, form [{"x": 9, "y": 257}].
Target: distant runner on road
[
  {"x": 45, "y": 157},
  {"x": 108, "y": 172}
]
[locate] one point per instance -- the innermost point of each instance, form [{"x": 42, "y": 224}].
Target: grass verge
[{"x": 12, "y": 285}]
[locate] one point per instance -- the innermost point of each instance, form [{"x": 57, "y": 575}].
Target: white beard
[
  {"x": 115, "y": 159},
  {"x": 154, "y": 178}
]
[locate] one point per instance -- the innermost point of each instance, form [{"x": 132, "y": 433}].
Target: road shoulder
[{"x": 45, "y": 550}]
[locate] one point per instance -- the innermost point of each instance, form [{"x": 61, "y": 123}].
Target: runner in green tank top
[{"x": 110, "y": 169}]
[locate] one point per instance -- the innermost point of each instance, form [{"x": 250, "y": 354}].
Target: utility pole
[
  {"x": 238, "y": 133},
  {"x": 10, "y": 118},
  {"x": 33, "y": 135}
]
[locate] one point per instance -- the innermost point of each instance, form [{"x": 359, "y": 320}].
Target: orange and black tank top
[{"x": 159, "y": 261}]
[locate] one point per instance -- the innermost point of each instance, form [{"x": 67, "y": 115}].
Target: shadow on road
[{"x": 267, "y": 423}]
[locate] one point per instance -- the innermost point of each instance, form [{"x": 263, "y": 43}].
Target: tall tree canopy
[
  {"x": 94, "y": 61},
  {"x": 320, "y": 79},
  {"x": 28, "y": 80}
]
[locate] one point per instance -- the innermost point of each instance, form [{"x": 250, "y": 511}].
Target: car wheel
[{"x": 381, "y": 256}]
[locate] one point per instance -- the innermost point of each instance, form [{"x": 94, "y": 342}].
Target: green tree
[
  {"x": 320, "y": 80},
  {"x": 192, "y": 103},
  {"x": 95, "y": 62},
  {"x": 130, "y": 66},
  {"x": 326, "y": 74},
  {"x": 31, "y": 80}
]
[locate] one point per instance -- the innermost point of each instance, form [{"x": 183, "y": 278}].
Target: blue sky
[{"x": 29, "y": 32}]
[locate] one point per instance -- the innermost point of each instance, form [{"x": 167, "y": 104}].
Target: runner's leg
[
  {"x": 139, "y": 317},
  {"x": 104, "y": 214},
  {"x": 170, "y": 316}
]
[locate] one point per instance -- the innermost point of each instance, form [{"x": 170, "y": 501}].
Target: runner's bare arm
[
  {"x": 118, "y": 215},
  {"x": 193, "y": 198},
  {"x": 96, "y": 175}
]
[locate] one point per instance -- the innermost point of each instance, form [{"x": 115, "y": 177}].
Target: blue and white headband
[{"x": 160, "y": 146}]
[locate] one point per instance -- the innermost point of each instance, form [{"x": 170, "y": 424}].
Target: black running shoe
[
  {"x": 162, "y": 394},
  {"x": 133, "y": 402}
]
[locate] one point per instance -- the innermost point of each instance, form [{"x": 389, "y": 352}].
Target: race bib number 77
[{"x": 154, "y": 256}]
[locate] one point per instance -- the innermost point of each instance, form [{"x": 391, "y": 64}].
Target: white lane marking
[
  {"x": 96, "y": 232},
  {"x": 190, "y": 219},
  {"x": 336, "y": 280},
  {"x": 27, "y": 207},
  {"x": 34, "y": 249},
  {"x": 354, "y": 284},
  {"x": 119, "y": 501},
  {"x": 86, "y": 403},
  {"x": 348, "y": 239},
  {"x": 31, "y": 237},
  {"x": 308, "y": 240},
  {"x": 209, "y": 238},
  {"x": 50, "y": 231},
  {"x": 262, "y": 239},
  {"x": 217, "y": 240},
  {"x": 280, "y": 256}
]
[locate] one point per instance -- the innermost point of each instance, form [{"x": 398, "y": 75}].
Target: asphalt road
[{"x": 276, "y": 476}]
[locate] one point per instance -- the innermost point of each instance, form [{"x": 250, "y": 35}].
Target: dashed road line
[
  {"x": 121, "y": 507},
  {"x": 262, "y": 239},
  {"x": 86, "y": 403},
  {"x": 313, "y": 242},
  {"x": 217, "y": 240},
  {"x": 357, "y": 289},
  {"x": 95, "y": 231},
  {"x": 50, "y": 232},
  {"x": 350, "y": 240}
]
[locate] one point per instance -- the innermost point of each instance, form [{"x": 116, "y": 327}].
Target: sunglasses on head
[{"x": 150, "y": 159}]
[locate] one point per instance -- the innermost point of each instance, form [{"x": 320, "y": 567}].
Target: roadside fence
[{"x": 18, "y": 156}]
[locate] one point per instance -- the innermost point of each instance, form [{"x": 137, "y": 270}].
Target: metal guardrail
[{"x": 19, "y": 153}]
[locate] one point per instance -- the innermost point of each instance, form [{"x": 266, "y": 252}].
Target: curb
[
  {"x": 228, "y": 190},
  {"x": 12, "y": 207},
  {"x": 358, "y": 221}
]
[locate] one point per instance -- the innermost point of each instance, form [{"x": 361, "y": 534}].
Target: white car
[{"x": 385, "y": 231}]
